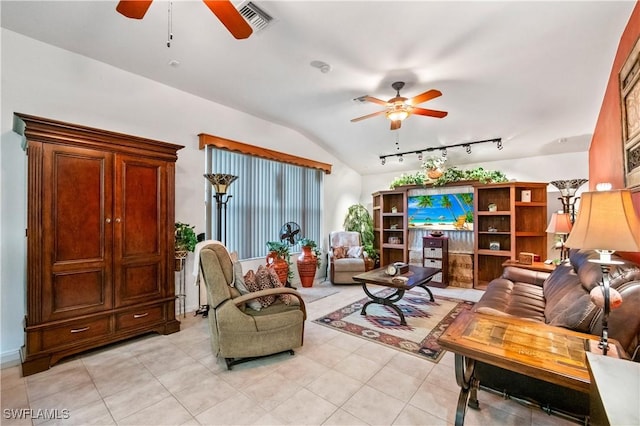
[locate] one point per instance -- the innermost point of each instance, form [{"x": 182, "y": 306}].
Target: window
[{"x": 266, "y": 195}]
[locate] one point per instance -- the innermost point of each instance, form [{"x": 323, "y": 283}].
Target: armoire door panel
[
  {"x": 78, "y": 291},
  {"x": 139, "y": 283},
  {"x": 76, "y": 211},
  {"x": 141, "y": 207}
]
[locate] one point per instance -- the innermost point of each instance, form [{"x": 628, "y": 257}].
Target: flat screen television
[{"x": 441, "y": 211}]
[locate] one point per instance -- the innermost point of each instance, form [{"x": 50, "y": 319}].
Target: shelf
[
  {"x": 399, "y": 214},
  {"x": 498, "y": 213},
  {"x": 393, "y": 246},
  {"x": 393, "y": 230},
  {"x": 487, "y": 252},
  {"x": 494, "y": 233},
  {"x": 530, "y": 204}
]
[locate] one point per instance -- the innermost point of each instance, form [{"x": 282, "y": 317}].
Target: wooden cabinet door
[
  {"x": 76, "y": 186},
  {"x": 140, "y": 228}
]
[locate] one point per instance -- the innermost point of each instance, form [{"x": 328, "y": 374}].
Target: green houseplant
[
  {"x": 359, "y": 220},
  {"x": 279, "y": 259},
  {"x": 185, "y": 242}
]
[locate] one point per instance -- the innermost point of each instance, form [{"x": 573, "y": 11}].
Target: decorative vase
[
  {"x": 280, "y": 265},
  {"x": 307, "y": 265}
]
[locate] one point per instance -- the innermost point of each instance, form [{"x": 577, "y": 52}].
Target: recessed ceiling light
[{"x": 174, "y": 63}]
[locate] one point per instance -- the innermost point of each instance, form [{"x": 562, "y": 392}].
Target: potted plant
[
  {"x": 185, "y": 242},
  {"x": 278, "y": 259},
  {"x": 308, "y": 261},
  {"x": 359, "y": 220},
  {"x": 433, "y": 166}
]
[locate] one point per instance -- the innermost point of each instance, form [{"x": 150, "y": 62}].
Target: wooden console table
[{"x": 551, "y": 354}]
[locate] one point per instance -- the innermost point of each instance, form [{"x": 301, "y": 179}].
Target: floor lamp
[
  {"x": 568, "y": 189},
  {"x": 220, "y": 183},
  {"x": 606, "y": 222}
]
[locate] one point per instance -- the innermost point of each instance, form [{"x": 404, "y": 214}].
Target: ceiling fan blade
[
  {"x": 395, "y": 124},
  {"x": 368, "y": 116},
  {"x": 423, "y": 97},
  {"x": 230, "y": 18},
  {"x": 375, "y": 100},
  {"x": 135, "y": 9},
  {"x": 429, "y": 112}
]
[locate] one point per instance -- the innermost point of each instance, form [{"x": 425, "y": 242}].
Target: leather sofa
[{"x": 561, "y": 299}]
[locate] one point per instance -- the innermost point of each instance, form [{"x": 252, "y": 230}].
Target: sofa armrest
[{"x": 517, "y": 274}]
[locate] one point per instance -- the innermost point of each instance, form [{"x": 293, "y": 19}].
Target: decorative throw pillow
[
  {"x": 239, "y": 284},
  {"x": 250, "y": 282},
  {"x": 266, "y": 278},
  {"x": 339, "y": 252},
  {"x": 355, "y": 251}
]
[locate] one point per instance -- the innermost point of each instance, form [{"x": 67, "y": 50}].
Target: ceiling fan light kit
[{"x": 399, "y": 108}]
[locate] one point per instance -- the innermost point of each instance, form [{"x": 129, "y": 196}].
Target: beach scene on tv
[{"x": 441, "y": 212}]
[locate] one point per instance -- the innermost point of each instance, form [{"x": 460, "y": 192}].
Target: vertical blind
[{"x": 266, "y": 195}]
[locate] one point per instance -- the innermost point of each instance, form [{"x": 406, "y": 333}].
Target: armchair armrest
[
  {"x": 271, "y": 292},
  {"x": 516, "y": 274}
]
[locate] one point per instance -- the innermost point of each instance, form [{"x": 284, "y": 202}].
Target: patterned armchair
[{"x": 346, "y": 257}]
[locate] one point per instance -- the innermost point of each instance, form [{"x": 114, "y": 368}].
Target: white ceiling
[{"x": 532, "y": 73}]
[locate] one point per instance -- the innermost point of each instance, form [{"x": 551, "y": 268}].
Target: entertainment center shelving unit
[{"x": 515, "y": 226}]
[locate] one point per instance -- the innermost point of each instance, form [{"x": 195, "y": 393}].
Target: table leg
[
  {"x": 465, "y": 368},
  {"x": 424, "y": 286},
  {"x": 386, "y": 301}
]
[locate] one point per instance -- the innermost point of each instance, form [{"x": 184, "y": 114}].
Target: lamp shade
[
  {"x": 220, "y": 181},
  {"x": 606, "y": 221},
  {"x": 560, "y": 223}
]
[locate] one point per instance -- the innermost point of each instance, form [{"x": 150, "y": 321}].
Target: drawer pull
[
  {"x": 80, "y": 330},
  {"x": 140, "y": 315}
]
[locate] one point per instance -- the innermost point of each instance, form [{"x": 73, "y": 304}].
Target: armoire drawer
[
  {"x": 139, "y": 317},
  {"x": 75, "y": 331}
]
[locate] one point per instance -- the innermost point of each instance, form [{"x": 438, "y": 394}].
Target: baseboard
[{"x": 10, "y": 359}]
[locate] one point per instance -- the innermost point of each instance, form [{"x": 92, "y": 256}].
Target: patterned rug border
[{"x": 428, "y": 348}]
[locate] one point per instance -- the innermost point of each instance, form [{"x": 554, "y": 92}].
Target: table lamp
[
  {"x": 606, "y": 222},
  {"x": 560, "y": 224}
]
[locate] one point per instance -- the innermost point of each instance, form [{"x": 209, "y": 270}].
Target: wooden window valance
[{"x": 269, "y": 154}]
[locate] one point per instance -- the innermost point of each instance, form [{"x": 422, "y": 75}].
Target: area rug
[
  {"x": 320, "y": 290},
  {"x": 426, "y": 321}
]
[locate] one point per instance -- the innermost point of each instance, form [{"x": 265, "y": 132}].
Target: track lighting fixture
[{"x": 443, "y": 149}]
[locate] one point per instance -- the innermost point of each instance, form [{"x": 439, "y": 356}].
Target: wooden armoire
[{"x": 100, "y": 238}]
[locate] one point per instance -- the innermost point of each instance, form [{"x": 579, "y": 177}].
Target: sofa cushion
[
  {"x": 518, "y": 299},
  {"x": 349, "y": 264}
]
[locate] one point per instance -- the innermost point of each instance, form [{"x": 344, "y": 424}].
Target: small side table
[
  {"x": 535, "y": 266},
  {"x": 181, "y": 295}
]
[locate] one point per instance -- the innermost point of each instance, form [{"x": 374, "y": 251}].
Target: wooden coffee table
[
  {"x": 417, "y": 276},
  {"x": 552, "y": 354}
]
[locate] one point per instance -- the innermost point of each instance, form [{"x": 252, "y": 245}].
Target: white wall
[{"x": 42, "y": 80}]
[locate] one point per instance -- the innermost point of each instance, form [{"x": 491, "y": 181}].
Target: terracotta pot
[
  {"x": 280, "y": 265},
  {"x": 434, "y": 173},
  {"x": 307, "y": 265}
]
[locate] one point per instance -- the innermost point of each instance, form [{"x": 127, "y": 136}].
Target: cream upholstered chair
[
  {"x": 346, "y": 257},
  {"x": 238, "y": 332}
]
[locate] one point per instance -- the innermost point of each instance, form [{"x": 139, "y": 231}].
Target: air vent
[{"x": 256, "y": 17}]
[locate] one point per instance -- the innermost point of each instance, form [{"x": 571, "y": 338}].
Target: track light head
[
  {"x": 400, "y": 158},
  {"x": 468, "y": 148},
  {"x": 444, "y": 152},
  {"x": 383, "y": 161},
  {"x": 420, "y": 156}
]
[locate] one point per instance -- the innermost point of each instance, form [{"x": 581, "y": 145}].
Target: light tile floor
[{"x": 334, "y": 379}]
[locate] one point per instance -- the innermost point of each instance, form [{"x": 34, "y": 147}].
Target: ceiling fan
[
  {"x": 223, "y": 9},
  {"x": 399, "y": 107}
]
